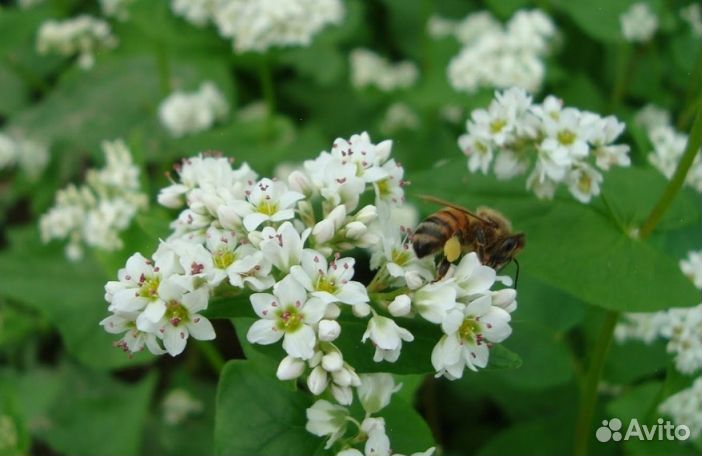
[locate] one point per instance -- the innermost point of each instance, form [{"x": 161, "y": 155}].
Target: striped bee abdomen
[{"x": 431, "y": 235}]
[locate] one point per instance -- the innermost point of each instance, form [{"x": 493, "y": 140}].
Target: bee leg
[{"x": 442, "y": 269}]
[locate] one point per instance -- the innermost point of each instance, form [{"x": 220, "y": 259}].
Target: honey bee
[{"x": 455, "y": 230}]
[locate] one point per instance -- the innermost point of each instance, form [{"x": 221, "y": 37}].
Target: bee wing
[{"x": 440, "y": 202}]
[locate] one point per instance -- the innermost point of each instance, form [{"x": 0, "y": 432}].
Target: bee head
[{"x": 504, "y": 249}]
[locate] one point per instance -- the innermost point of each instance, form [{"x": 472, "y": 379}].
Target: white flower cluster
[
  {"x": 498, "y": 56},
  {"x": 119, "y": 9},
  {"x": 684, "y": 408},
  {"x": 26, "y": 4},
  {"x": 682, "y": 327},
  {"x": 369, "y": 69},
  {"x": 692, "y": 14},
  {"x": 325, "y": 419},
  {"x": 30, "y": 156},
  {"x": 668, "y": 145},
  {"x": 95, "y": 213},
  {"x": 561, "y": 141},
  {"x": 178, "y": 405},
  {"x": 399, "y": 116},
  {"x": 83, "y": 36},
  {"x": 639, "y": 23},
  {"x": 184, "y": 113},
  {"x": 257, "y": 25}
]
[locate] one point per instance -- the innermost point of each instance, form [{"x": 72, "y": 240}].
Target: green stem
[
  {"x": 266, "y": 78},
  {"x": 378, "y": 281},
  {"x": 213, "y": 357},
  {"x": 588, "y": 400},
  {"x": 677, "y": 180}
]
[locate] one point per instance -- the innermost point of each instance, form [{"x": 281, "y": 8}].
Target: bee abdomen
[{"x": 430, "y": 236}]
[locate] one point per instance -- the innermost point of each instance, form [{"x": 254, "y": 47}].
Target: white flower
[
  {"x": 387, "y": 337},
  {"x": 399, "y": 116},
  {"x": 327, "y": 419},
  {"x": 652, "y": 116},
  {"x": 134, "y": 340},
  {"x": 669, "y": 146},
  {"x": 267, "y": 201},
  {"x": 501, "y": 57},
  {"x": 376, "y": 390},
  {"x": 400, "y": 306},
  {"x": 83, "y": 36},
  {"x": 368, "y": 69},
  {"x": 287, "y": 314},
  {"x": 638, "y": 23},
  {"x": 257, "y": 25},
  {"x": 605, "y": 131},
  {"x": 584, "y": 182},
  {"x": 434, "y": 300},
  {"x": 282, "y": 247},
  {"x": 118, "y": 9},
  {"x": 184, "y": 113},
  {"x": 197, "y": 12},
  {"x": 329, "y": 330},
  {"x": 330, "y": 283},
  {"x": 692, "y": 14},
  {"x": 683, "y": 328},
  {"x": 684, "y": 408},
  {"x": 330, "y": 370},
  {"x": 178, "y": 404},
  {"x": 692, "y": 267},
  {"x": 469, "y": 330},
  {"x": 97, "y": 212}
]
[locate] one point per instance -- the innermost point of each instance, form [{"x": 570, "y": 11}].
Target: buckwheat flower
[
  {"x": 640, "y": 326},
  {"x": 692, "y": 267},
  {"x": 183, "y": 113},
  {"x": 8, "y": 155},
  {"x": 501, "y": 57},
  {"x": 283, "y": 246},
  {"x": 669, "y": 146},
  {"x": 327, "y": 419},
  {"x": 133, "y": 340},
  {"x": 369, "y": 69},
  {"x": 329, "y": 330},
  {"x": 605, "y": 131},
  {"x": 400, "y": 306},
  {"x": 197, "y": 12},
  {"x": 118, "y": 9},
  {"x": 330, "y": 371},
  {"x": 468, "y": 331},
  {"x": 390, "y": 188},
  {"x": 30, "y": 156},
  {"x": 692, "y": 14},
  {"x": 329, "y": 282},
  {"x": 684, "y": 408},
  {"x": 376, "y": 390},
  {"x": 398, "y": 117},
  {"x": 638, "y": 23},
  {"x": 584, "y": 182},
  {"x": 257, "y": 25},
  {"x": 288, "y": 313},
  {"x": 434, "y": 300},
  {"x": 267, "y": 201},
  {"x": 178, "y": 405},
  {"x": 83, "y": 36},
  {"x": 684, "y": 333},
  {"x": 387, "y": 337},
  {"x": 652, "y": 116},
  {"x": 25, "y": 4}
]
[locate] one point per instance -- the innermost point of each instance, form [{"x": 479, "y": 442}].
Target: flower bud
[
  {"x": 228, "y": 217},
  {"x": 367, "y": 214},
  {"x": 299, "y": 182},
  {"x": 400, "y": 306},
  {"x": 323, "y": 231},
  {"x": 317, "y": 381},
  {"x": 355, "y": 230},
  {"x": 505, "y": 298},
  {"x": 383, "y": 149},
  {"x": 329, "y": 330},
  {"x": 414, "y": 280},
  {"x": 361, "y": 310},
  {"x": 332, "y": 311},
  {"x": 337, "y": 216},
  {"x": 172, "y": 196},
  {"x": 255, "y": 238},
  {"x": 342, "y": 394},
  {"x": 332, "y": 361},
  {"x": 342, "y": 377},
  {"x": 290, "y": 368}
]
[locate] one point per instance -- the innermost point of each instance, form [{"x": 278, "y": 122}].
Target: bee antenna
[{"x": 516, "y": 277}]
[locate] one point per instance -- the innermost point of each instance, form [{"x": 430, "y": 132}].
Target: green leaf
[
  {"x": 70, "y": 295},
  {"x": 598, "y": 18},
  {"x": 98, "y": 415},
  {"x": 540, "y": 436},
  {"x": 642, "y": 360},
  {"x": 407, "y": 430},
  {"x": 577, "y": 248},
  {"x": 257, "y": 414}
]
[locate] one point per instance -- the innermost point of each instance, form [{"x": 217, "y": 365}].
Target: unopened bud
[
  {"x": 172, "y": 196},
  {"x": 361, "y": 310},
  {"x": 332, "y": 361},
  {"x": 337, "y": 216},
  {"x": 414, "y": 280},
  {"x": 290, "y": 368},
  {"x": 323, "y": 231},
  {"x": 342, "y": 394},
  {"x": 299, "y": 182},
  {"x": 332, "y": 311},
  {"x": 342, "y": 377},
  {"x": 355, "y": 230},
  {"x": 329, "y": 330},
  {"x": 317, "y": 381},
  {"x": 400, "y": 306},
  {"x": 505, "y": 298},
  {"x": 367, "y": 214}
]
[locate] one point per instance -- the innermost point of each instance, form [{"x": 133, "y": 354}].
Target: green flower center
[
  {"x": 566, "y": 137},
  {"x": 224, "y": 258},
  {"x": 469, "y": 330},
  {"x": 497, "y": 125},
  {"x": 401, "y": 257},
  {"x": 267, "y": 207},
  {"x": 384, "y": 188},
  {"x": 149, "y": 288},
  {"x": 585, "y": 183},
  {"x": 325, "y": 284},
  {"x": 289, "y": 318},
  {"x": 176, "y": 313}
]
